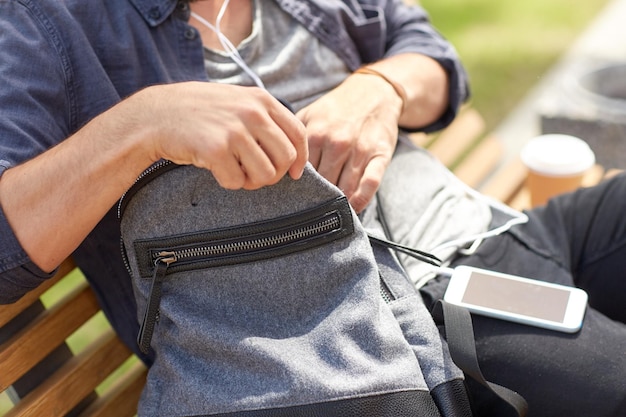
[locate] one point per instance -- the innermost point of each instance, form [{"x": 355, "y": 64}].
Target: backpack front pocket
[{"x": 159, "y": 257}]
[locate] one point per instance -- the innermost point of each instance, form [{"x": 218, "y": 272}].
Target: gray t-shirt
[
  {"x": 279, "y": 50},
  {"x": 426, "y": 205}
]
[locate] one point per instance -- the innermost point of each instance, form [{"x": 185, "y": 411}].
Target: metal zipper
[
  {"x": 145, "y": 177},
  {"x": 385, "y": 292},
  {"x": 247, "y": 243},
  {"x": 153, "y": 171}
]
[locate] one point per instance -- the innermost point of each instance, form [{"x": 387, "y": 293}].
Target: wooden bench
[
  {"x": 477, "y": 159},
  {"x": 47, "y": 373}
]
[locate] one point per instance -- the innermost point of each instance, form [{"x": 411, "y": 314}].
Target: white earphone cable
[
  {"x": 517, "y": 217},
  {"x": 228, "y": 46}
]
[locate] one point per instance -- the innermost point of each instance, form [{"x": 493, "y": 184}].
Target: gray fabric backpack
[{"x": 276, "y": 302}]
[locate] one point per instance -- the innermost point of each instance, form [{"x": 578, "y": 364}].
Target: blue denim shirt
[{"x": 63, "y": 62}]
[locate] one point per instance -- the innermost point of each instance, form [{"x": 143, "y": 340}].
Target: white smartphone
[{"x": 517, "y": 299}]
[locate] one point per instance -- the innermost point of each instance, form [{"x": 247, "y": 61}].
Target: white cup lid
[{"x": 557, "y": 155}]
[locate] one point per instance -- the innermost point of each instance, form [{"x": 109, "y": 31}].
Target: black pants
[{"x": 577, "y": 239}]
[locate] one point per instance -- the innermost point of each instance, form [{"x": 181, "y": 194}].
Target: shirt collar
[{"x": 155, "y": 11}]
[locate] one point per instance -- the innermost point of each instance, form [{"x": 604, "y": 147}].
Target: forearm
[
  {"x": 425, "y": 84},
  {"x": 53, "y": 201}
]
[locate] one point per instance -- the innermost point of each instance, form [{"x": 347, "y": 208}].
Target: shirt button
[
  {"x": 183, "y": 6},
  {"x": 190, "y": 33},
  {"x": 154, "y": 13}
]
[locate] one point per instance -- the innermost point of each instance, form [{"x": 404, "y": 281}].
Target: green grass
[{"x": 506, "y": 46}]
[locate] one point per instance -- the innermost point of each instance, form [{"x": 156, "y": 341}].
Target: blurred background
[{"x": 508, "y": 45}]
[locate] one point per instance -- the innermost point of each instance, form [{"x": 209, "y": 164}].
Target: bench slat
[
  {"x": 458, "y": 138},
  {"x": 122, "y": 399},
  {"x": 481, "y": 162},
  {"x": 33, "y": 343},
  {"x": 521, "y": 200},
  {"x": 420, "y": 139},
  {"x": 75, "y": 380},
  {"x": 507, "y": 182},
  {"x": 10, "y": 311}
]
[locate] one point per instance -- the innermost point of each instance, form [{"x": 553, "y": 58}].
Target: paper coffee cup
[{"x": 556, "y": 164}]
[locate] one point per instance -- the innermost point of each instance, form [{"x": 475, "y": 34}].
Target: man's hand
[
  {"x": 245, "y": 137},
  {"x": 352, "y": 133},
  {"x": 353, "y": 129},
  {"x": 242, "y": 134}
]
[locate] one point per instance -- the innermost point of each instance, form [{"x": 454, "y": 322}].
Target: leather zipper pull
[{"x": 151, "y": 315}]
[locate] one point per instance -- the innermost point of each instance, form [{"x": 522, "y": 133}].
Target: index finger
[
  {"x": 295, "y": 131},
  {"x": 368, "y": 185}
]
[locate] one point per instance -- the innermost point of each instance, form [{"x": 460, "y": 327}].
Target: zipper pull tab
[
  {"x": 151, "y": 315},
  {"x": 166, "y": 257}
]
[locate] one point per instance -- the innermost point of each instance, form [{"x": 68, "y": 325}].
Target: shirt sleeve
[
  {"x": 33, "y": 103},
  {"x": 409, "y": 29},
  {"x": 18, "y": 274}
]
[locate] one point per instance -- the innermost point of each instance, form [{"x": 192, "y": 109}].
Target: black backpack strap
[
  {"x": 457, "y": 322},
  {"x": 460, "y": 337}
]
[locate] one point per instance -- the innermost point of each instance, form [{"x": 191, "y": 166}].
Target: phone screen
[{"x": 516, "y": 297}]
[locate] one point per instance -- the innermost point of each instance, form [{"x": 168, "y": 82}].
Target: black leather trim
[
  {"x": 398, "y": 404},
  {"x": 452, "y": 399}
]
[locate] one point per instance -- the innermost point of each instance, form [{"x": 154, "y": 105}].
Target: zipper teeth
[
  {"x": 152, "y": 168},
  {"x": 252, "y": 244},
  {"x": 385, "y": 293},
  {"x": 148, "y": 171}
]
